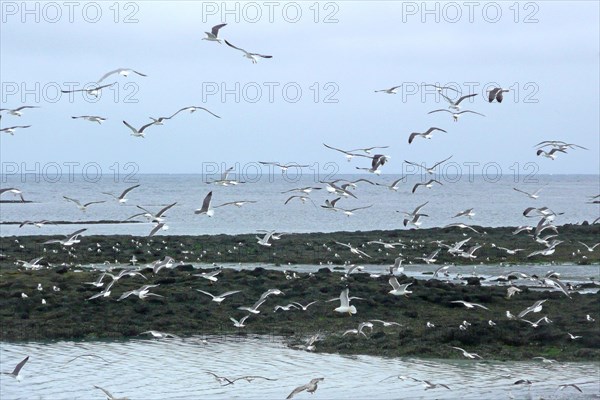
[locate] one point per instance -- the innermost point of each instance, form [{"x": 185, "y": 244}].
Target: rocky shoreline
[
  {"x": 182, "y": 310},
  {"x": 306, "y": 248}
]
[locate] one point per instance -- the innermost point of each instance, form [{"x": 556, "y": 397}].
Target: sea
[{"x": 493, "y": 199}]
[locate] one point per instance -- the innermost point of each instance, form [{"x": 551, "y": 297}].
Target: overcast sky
[{"x": 318, "y": 87}]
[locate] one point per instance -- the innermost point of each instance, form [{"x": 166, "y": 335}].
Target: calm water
[
  {"x": 495, "y": 203},
  {"x": 174, "y": 369}
]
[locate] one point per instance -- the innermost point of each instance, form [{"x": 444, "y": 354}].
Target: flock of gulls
[{"x": 544, "y": 231}]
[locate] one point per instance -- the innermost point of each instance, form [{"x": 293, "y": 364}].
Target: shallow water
[
  {"x": 175, "y": 369},
  {"x": 491, "y": 274}
]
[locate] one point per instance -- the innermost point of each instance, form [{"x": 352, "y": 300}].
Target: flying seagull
[
  {"x": 305, "y": 190},
  {"x": 509, "y": 251},
  {"x": 223, "y": 380},
  {"x": 573, "y": 385},
  {"x": 455, "y": 115},
  {"x": 558, "y": 144},
  {"x": 350, "y": 211},
  {"x": 461, "y": 226},
  {"x": 392, "y": 90},
  {"x": 341, "y": 191},
  {"x": 16, "y": 111},
  {"x": 414, "y": 220},
  {"x": 354, "y": 250},
  {"x": 15, "y": 191},
  {"x": 533, "y": 195},
  {"x": 11, "y": 130},
  {"x": 304, "y": 307},
  {"x": 88, "y": 356},
  {"x": 287, "y": 307},
  {"x": 496, "y": 93},
  {"x": 160, "y": 335},
  {"x": 254, "y": 308},
  {"x": 431, "y": 385},
  {"x": 121, "y": 71},
  {"x": 455, "y": 104},
  {"x": 431, "y": 169},
  {"x": 303, "y": 199},
  {"x": 431, "y": 258},
  {"x": 397, "y": 289},
  {"x": 193, "y": 109},
  {"x": 349, "y": 154},
  {"x": 310, "y": 387},
  {"x": 121, "y": 199},
  {"x": 466, "y": 213},
  {"x": 550, "y": 154},
  {"x": 212, "y": 35},
  {"x": 428, "y": 184},
  {"x": 394, "y": 185},
  {"x": 138, "y": 132},
  {"x": 223, "y": 181},
  {"x": 250, "y": 378},
  {"x": 376, "y": 161},
  {"x": 219, "y": 298},
  {"x": 158, "y": 217},
  {"x": 210, "y": 275},
  {"x": 143, "y": 293},
  {"x": 386, "y": 324},
  {"x": 536, "y": 307},
  {"x": 416, "y": 210},
  {"x": 206, "y": 206},
  {"x": 284, "y": 167},
  {"x": 469, "y": 304},
  {"x": 426, "y": 135},
  {"x": 589, "y": 248},
  {"x": 537, "y": 323},
  {"x": 94, "y": 91},
  {"x": 367, "y": 150},
  {"x": 467, "y": 354},
  {"x": 345, "y": 306},
  {"x": 91, "y": 118},
  {"x": 251, "y": 56},
  {"x": 38, "y": 224},
  {"x": 359, "y": 331},
  {"x": 264, "y": 241},
  {"x": 69, "y": 240},
  {"x": 83, "y": 207},
  {"x": 238, "y": 203}
]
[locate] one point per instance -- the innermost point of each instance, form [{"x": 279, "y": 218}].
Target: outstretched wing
[
  {"x": 106, "y": 75},
  {"x": 215, "y": 29},
  {"x": 164, "y": 210},
  {"x": 208, "y": 111},
  {"x": 444, "y": 110},
  {"x": 297, "y": 390},
  {"x": 465, "y": 97},
  {"x": 237, "y": 48},
  {"x": 128, "y": 190},
  {"x": 260, "y": 55},
  {"x": 106, "y": 392},
  {"x": 19, "y": 366}
]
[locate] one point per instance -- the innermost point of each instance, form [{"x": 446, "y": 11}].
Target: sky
[{"x": 319, "y": 86}]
